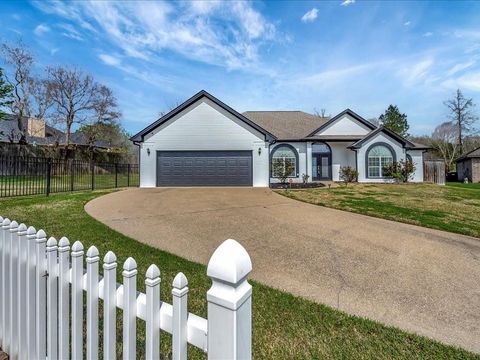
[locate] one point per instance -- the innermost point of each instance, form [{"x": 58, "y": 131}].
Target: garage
[{"x": 204, "y": 168}]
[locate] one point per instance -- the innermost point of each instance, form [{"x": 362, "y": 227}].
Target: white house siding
[
  {"x": 301, "y": 148},
  {"x": 346, "y": 125},
  {"x": 341, "y": 156},
  {"x": 361, "y": 156},
  {"x": 417, "y": 159},
  {"x": 204, "y": 126}
]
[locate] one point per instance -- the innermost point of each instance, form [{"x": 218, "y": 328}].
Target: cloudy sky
[{"x": 269, "y": 55}]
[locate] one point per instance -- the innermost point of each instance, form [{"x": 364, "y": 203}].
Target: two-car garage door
[{"x": 204, "y": 168}]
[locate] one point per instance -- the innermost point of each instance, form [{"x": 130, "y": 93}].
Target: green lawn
[
  {"x": 454, "y": 207},
  {"x": 284, "y": 326}
]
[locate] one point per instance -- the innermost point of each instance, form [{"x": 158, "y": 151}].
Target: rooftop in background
[
  {"x": 474, "y": 154},
  {"x": 40, "y": 133}
]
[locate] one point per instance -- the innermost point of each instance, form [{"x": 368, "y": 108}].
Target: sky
[{"x": 265, "y": 55}]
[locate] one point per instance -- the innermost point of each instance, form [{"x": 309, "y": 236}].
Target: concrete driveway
[{"x": 421, "y": 280}]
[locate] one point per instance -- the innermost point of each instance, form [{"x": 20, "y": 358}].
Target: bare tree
[
  {"x": 320, "y": 113},
  {"x": 40, "y": 91},
  {"x": 444, "y": 140},
  {"x": 462, "y": 115},
  {"x": 78, "y": 98},
  {"x": 169, "y": 108},
  {"x": 20, "y": 58},
  {"x": 103, "y": 125},
  {"x": 375, "y": 121}
]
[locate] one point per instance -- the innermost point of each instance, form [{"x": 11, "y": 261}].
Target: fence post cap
[
  {"x": 6, "y": 222},
  {"x": 110, "y": 257},
  {"x": 41, "y": 236},
  {"x": 153, "y": 272},
  {"x": 1, "y": 219},
  {"x": 230, "y": 262},
  {"x": 13, "y": 226},
  {"x": 92, "y": 251},
  {"x": 77, "y": 246},
  {"x": 180, "y": 281},
  {"x": 22, "y": 227},
  {"x": 52, "y": 242},
  {"x": 31, "y": 231},
  {"x": 130, "y": 264},
  {"x": 63, "y": 242}
]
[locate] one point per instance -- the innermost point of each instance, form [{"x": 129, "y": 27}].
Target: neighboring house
[
  {"x": 37, "y": 132},
  {"x": 205, "y": 142},
  {"x": 468, "y": 166}
]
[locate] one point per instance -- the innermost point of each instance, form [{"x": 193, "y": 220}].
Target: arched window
[
  {"x": 379, "y": 156},
  {"x": 284, "y": 154},
  {"x": 409, "y": 158}
]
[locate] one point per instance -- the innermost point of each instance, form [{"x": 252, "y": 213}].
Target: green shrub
[
  {"x": 401, "y": 171},
  {"x": 348, "y": 174}
]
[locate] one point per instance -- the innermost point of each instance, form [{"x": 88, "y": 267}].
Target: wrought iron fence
[{"x": 34, "y": 176}]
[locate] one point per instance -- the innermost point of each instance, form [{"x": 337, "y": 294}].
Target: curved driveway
[{"x": 418, "y": 279}]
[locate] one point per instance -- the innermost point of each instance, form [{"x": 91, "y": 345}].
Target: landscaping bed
[
  {"x": 310, "y": 185},
  {"x": 284, "y": 326}
]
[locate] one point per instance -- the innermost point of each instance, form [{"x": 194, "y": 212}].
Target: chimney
[{"x": 36, "y": 127}]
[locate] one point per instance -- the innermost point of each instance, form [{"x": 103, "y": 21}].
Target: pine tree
[
  {"x": 394, "y": 120},
  {"x": 5, "y": 94}
]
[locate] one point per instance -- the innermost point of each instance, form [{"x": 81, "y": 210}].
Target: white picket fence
[{"x": 42, "y": 286}]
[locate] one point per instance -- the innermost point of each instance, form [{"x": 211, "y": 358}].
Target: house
[
  {"x": 37, "y": 132},
  {"x": 204, "y": 142},
  {"x": 468, "y": 166}
]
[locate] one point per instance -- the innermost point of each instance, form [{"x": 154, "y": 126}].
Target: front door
[{"x": 321, "y": 167}]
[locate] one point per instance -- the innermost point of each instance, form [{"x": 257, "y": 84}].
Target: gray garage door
[{"x": 204, "y": 168}]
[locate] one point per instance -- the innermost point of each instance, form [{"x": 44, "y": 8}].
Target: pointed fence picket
[{"x": 42, "y": 287}]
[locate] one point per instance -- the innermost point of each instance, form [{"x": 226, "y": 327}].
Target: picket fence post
[
  {"x": 229, "y": 303},
  {"x": 13, "y": 272},
  {"x": 152, "y": 285},
  {"x": 77, "y": 300},
  {"x": 63, "y": 299},
  {"x": 52, "y": 299},
  {"x": 41, "y": 295},
  {"x": 22, "y": 292},
  {"x": 2, "y": 290},
  {"x": 129, "y": 309},
  {"x": 180, "y": 316},
  {"x": 109, "y": 306},
  {"x": 92, "y": 302},
  {"x": 1, "y": 282},
  {"x": 31, "y": 292}
]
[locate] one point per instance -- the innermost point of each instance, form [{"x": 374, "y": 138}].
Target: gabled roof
[
  {"x": 139, "y": 136},
  {"x": 388, "y": 132},
  {"x": 470, "y": 155},
  {"x": 344, "y": 112},
  {"x": 286, "y": 125}
]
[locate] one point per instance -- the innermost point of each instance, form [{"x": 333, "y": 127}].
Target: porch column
[{"x": 309, "y": 161}]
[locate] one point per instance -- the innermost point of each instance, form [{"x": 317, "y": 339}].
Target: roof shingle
[{"x": 286, "y": 124}]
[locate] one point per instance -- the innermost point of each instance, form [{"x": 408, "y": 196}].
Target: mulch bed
[{"x": 296, "y": 186}]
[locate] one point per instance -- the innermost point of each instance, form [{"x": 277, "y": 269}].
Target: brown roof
[
  {"x": 286, "y": 124},
  {"x": 472, "y": 154}
]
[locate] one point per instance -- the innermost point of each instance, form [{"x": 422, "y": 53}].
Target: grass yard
[
  {"x": 454, "y": 207},
  {"x": 284, "y": 326}
]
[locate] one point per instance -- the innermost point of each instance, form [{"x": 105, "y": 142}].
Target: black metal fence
[{"x": 32, "y": 176}]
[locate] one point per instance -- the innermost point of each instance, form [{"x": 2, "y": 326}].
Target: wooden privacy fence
[
  {"x": 42, "y": 287},
  {"x": 34, "y": 176},
  {"x": 434, "y": 171}
]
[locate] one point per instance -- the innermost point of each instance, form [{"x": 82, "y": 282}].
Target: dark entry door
[
  {"x": 204, "y": 168},
  {"x": 322, "y": 167}
]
